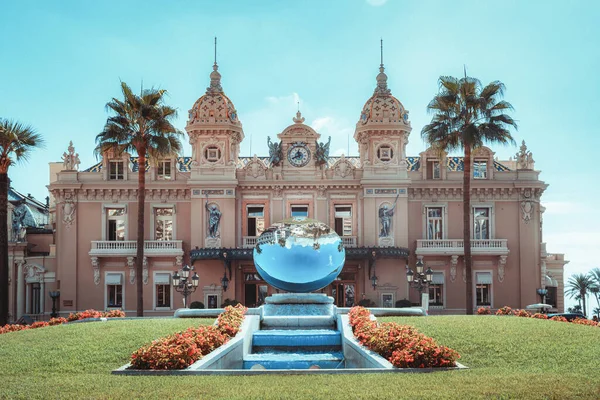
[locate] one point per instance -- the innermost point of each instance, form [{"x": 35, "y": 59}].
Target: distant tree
[
  {"x": 17, "y": 141},
  {"x": 579, "y": 285},
  {"x": 141, "y": 124},
  {"x": 594, "y": 275},
  {"x": 465, "y": 116}
]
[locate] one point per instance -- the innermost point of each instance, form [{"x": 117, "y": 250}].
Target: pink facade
[{"x": 94, "y": 217}]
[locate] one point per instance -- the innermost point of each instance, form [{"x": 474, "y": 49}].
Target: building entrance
[{"x": 343, "y": 290}]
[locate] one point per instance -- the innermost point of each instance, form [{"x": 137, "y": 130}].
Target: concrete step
[
  {"x": 303, "y": 322},
  {"x": 295, "y": 360},
  {"x": 297, "y": 338}
]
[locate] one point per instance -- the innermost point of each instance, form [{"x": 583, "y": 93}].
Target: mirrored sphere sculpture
[{"x": 299, "y": 255}]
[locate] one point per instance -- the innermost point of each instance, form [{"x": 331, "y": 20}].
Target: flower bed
[
  {"x": 61, "y": 320},
  {"x": 182, "y": 349},
  {"x": 506, "y": 310},
  {"x": 402, "y": 345}
]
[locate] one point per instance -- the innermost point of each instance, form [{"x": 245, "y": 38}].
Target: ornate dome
[
  {"x": 214, "y": 106},
  {"x": 382, "y": 107}
]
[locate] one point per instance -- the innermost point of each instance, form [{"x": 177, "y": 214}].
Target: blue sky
[{"x": 62, "y": 61}]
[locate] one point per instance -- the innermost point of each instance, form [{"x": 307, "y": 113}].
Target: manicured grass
[{"x": 509, "y": 357}]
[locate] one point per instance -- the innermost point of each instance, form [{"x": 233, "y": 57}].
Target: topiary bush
[
  {"x": 367, "y": 303},
  {"x": 197, "y": 305},
  {"x": 228, "y": 302},
  {"x": 403, "y": 303}
]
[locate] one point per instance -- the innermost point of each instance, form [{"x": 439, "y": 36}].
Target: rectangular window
[
  {"x": 387, "y": 300},
  {"x": 115, "y": 170},
  {"x": 163, "y": 223},
  {"x": 433, "y": 169},
  {"x": 436, "y": 290},
  {"x": 35, "y": 298},
  {"x": 343, "y": 220},
  {"x": 551, "y": 296},
  {"x": 115, "y": 219},
  {"x": 164, "y": 169},
  {"x": 434, "y": 223},
  {"x": 163, "y": 290},
  {"x": 300, "y": 211},
  {"x": 114, "y": 290},
  {"x": 480, "y": 169},
  {"x": 481, "y": 223},
  {"x": 255, "y": 220},
  {"x": 483, "y": 288},
  {"x": 212, "y": 301}
]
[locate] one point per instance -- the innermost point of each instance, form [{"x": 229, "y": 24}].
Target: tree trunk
[
  {"x": 3, "y": 249},
  {"x": 583, "y": 298},
  {"x": 467, "y": 227},
  {"x": 139, "y": 260}
]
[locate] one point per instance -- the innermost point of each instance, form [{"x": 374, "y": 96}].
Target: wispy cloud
[{"x": 341, "y": 133}]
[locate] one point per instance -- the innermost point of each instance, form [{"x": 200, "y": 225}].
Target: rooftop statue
[
  {"x": 524, "y": 157},
  {"x": 322, "y": 152},
  {"x": 71, "y": 159},
  {"x": 275, "y": 152}
]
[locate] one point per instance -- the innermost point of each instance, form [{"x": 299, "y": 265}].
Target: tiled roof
[{"x": 414, "y": 163}]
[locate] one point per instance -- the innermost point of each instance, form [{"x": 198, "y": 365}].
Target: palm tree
[
  {"x": 594, "y": 275},
  {"x": 579, "y": 285},
  {"x": 16, "y": 143},
  {"x": 465, "y": 116},
  {"x": 141, "y": 124}
]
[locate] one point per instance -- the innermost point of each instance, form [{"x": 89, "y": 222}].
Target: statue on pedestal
[
  {"x": 322, "y": 152},
  {"x": 275, "y": 152},
  {"x": 214, "y": 218},
  {"x": 385, "y": 218}
]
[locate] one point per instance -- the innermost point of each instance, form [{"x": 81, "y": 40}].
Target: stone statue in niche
[
  {"x": 275, "y": 152},
  {"x": 214, "y": 218},
  {"x": 385, "y": 218},
  {"x": 322, "y": 152}
]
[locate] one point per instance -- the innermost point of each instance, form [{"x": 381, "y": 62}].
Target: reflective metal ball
[{"x": 299, "y": 255}]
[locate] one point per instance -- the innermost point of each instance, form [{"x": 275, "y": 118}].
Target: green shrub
[{"x": 197, "y": 305}]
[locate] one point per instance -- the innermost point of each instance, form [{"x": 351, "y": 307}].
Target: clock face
[{"x": 298, "y": 154}]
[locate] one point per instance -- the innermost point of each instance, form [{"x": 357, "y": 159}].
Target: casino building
[{"x": 93, "y": 214}]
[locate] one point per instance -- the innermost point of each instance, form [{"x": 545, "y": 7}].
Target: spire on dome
[
  {"x": 215, "y": 76},
  {"x": 382, "y": 88}
]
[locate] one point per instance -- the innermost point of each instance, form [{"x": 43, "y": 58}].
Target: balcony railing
[
  {"x": 456, "y": 246},
  {"x": 349, "y": 241},
  {"x": 250, "y": 241},
  {"x": 129, "y": 248}
]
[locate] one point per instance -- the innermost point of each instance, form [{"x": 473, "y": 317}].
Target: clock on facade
[{"x": 298, "y": 154}]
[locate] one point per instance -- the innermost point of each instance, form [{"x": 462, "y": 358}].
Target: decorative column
[
  {"x": 131, "y": 266},
  {"x": 42, "y": 293},
  {"x": 501, "y": 266},
  {"x": 453, "y": 264},
  {"x": 96, "y": 267},
  {"x": 145, "y": 270},
  {"x": 20, "y": 289}
]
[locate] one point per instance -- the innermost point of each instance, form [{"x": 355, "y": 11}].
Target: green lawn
[{"x": 509, "y": 357}]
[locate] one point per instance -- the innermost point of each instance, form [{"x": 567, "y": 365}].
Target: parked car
[{"x": 568, "y": 316}]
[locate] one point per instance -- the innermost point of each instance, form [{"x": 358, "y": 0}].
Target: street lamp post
[
  {"x": 184, "y": 284},
  {"x": 419, "y": 280},
  {"x": 54, "y": 295},
  {"x": 543, "y": 292}
]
